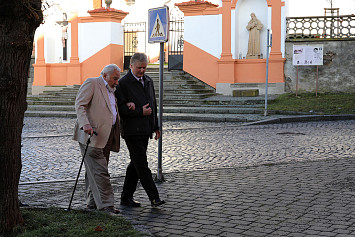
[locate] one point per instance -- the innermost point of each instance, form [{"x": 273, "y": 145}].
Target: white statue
[{"x": 254, "y": 26}]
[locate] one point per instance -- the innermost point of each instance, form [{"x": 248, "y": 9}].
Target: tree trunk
[{"x": 18, "y": 22}]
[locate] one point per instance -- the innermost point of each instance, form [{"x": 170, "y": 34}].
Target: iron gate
[
  {"x": 176, "y": 44},
  {"x": 134, "y": 40}
]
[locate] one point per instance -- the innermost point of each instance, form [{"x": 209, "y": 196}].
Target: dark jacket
[{"x": 133, "y": 123}]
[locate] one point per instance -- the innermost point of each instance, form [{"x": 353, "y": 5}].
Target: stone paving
[{"x": 222, "y": 179}]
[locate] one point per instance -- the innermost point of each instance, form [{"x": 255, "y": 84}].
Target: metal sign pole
[
  {"x": 317, "y": 83},
  {"x": 158, "y": 28},
  {"x": 269, "y": 44},
  {"x": 296, "y": 80},
  {"x": 160, "y": 176}
]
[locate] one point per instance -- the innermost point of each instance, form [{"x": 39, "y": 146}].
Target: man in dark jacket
[{"x": 138, "y": 112}]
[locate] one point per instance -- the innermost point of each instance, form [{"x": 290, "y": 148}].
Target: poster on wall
[{"x": 307, "y": 55}]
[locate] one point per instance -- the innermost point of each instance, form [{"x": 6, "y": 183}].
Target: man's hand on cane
[{"x": 88, "y": 129}]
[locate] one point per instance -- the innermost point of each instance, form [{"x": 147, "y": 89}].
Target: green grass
[
  {"x": 57, "y": 222},
  {"x": 321, "y": 104}
]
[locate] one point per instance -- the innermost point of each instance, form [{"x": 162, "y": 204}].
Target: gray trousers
[{"x": 97, "y": 179}]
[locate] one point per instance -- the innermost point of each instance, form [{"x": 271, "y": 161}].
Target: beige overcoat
[{"x": 92, "y": 106}]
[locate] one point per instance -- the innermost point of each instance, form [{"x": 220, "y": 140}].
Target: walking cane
[{"x": 81, "y": 165}]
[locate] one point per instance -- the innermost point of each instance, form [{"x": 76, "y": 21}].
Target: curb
[{"x": 303, "y": 118}]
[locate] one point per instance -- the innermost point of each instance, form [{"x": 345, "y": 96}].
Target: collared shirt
[
  {"x": 112, "y": 99},
  {"x": 140, "y": 79}
]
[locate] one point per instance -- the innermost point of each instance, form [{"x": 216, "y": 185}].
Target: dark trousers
[{"x": 138, "y": 169}]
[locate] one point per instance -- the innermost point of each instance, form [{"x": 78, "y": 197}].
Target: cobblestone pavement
[
  {"x": 222, "y": 179},
  {"x": 49, "y": 153}
]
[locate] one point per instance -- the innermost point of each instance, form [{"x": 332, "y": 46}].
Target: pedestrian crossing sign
[{"x": 158, "y": 24}]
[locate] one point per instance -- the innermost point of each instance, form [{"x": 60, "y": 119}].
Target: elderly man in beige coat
[{"x": 96, "y": 110}]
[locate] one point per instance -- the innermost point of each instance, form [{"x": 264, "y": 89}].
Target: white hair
[{"x": 109, "y": 69}]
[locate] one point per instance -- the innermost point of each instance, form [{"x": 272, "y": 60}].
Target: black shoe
[
  {"x": 130, "y": 203},
  {"x": 110, "y": 210},
  {"x": 157, "y": 202},
  {"x": 22, "y": 204}
]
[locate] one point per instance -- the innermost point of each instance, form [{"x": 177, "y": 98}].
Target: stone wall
[{"x": 337, "y": 74}]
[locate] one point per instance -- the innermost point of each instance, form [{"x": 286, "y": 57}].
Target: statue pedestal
[{"x": 252, "y": 56}]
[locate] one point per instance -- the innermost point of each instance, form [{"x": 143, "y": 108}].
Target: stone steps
[
  {"x": 167, "y": 109},
  {"x": 166, "y": 116},
  {"x": 185, "y": 98},
  {"x": 48, "y": 102},
  {"x": 169, "y": 90},
  {"x": 50, "y": 98},
  {"x": 51, "y": 108}
]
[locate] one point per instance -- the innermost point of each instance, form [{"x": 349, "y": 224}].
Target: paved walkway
[{"x": 222, "y": 179}]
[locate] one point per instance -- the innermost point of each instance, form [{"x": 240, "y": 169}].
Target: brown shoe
[{"x": 110, "y": 210}]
